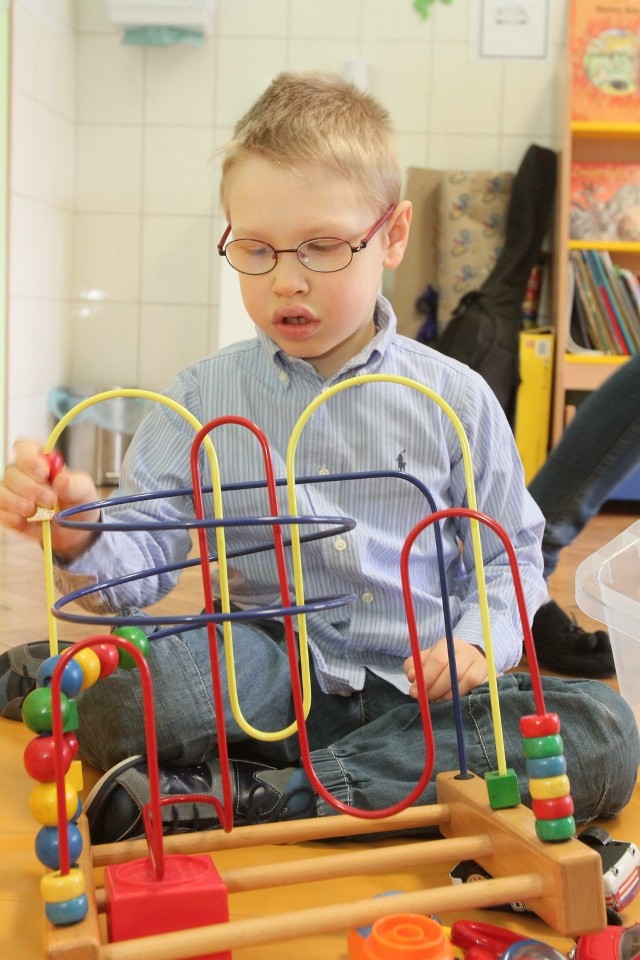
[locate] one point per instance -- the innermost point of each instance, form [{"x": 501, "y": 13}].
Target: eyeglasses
[{"x": 322, "y": 254}]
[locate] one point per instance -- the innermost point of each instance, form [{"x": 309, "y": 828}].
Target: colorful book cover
[
  {"x": 605, "y": 55},
  {"x": 604, "y": 201}
]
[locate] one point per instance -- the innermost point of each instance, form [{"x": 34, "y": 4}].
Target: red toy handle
[{"x": 56, "y": 463}]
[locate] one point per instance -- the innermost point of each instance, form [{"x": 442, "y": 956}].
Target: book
[
  {"x": 606, "y": 305},
  {"x": 587, "y": 295},
  {"x": 604, "y": 201},
  {"x": 604, "y": 40},
  {"x": 606, "y": 300},
  {"x": 578, "y": 339}
]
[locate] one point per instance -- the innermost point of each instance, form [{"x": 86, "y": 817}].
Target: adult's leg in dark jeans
[{"x": 598, "y": 450}]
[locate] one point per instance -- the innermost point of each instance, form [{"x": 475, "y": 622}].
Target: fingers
[
  {"x": 35, "y": 480},
  {"x": 471, "y": 669},
  {"x": 25, "y": 486}
]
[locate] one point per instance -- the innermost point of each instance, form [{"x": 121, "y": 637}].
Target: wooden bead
[
  {"x": 109, "y": 657},
  {"x": 37, "y": 712},
  {"x": 72, "y": 676},
  {"x": 549, "y": 788},
  {"x": 56, "y": 887},
  {"x": 47, "y": 845},
  {"x": 554, "y": 809},
  {"x": 553, "y": 830},
  {"x": 66, "y": 912},
  {"x": 543, "y": 767},
  {"x": 89, "y": 663},
  {"x": 138, "y": 638},
  {"x": 549, "y": 746},
  {"x": 43, "y": 803},
  {"x": 539, "y": 725},
  {"x": 39, "y": 758}
]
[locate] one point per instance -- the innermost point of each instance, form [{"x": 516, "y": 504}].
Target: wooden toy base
[{"x": 561, "y": 882}]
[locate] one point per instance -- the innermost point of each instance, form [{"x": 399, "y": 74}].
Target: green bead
[
  {"x": 37, "y": 710},
  {"x": 138, "y": 638},
  {"x": 550, "y": 746},
  {"x": 503, "y": 789},
  {"x": 551, "y": 831}
]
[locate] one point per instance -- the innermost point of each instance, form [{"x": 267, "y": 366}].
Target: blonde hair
[{"x": 319, "y": 119}]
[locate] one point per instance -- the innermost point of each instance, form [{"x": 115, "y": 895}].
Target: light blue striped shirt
[{"x": 371, "y": 427}]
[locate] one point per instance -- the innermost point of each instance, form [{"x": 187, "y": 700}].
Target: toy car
[
  {"x": 620, "y": 866},
  {"x": 614, "y": 943},
  {"x": 620, "y": 872}
]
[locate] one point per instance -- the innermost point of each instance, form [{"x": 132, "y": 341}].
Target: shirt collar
[{"x": 366, "y": 361}]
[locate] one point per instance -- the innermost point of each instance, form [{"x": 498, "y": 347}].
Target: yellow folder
[{"x": 533, "y": 403}]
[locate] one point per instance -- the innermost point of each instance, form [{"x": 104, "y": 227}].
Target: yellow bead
[
  {"x": 43, "y": 803},
  {"x": 56, "y": 887},
  {"x": 548, "y": 788},
  {"x": 90, "y": 664}
]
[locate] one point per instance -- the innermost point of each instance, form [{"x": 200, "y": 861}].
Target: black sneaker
[
  {"x": 18, "y": 670},
  {"x": 261, "y": 794},
  {"x": 563, "y": 646}
]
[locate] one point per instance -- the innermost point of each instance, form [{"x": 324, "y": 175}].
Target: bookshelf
[{"x": 609, "y": 138}]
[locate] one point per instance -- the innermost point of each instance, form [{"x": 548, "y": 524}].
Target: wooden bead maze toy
[{"x": 163, "y": 896}]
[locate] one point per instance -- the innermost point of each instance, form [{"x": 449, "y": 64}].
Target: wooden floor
[{"x": 23, "y": 619}]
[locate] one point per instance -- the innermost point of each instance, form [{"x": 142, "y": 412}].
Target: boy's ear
[{"x": 397, "y": 234}]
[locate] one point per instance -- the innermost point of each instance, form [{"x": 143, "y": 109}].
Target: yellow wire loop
[{"x": 474, "y": 526}]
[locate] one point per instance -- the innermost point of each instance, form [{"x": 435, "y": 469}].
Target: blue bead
[
  {"x": 67, "y": 911},
  {"x": 539, "y": 768},
  {"x": 48, "y": 847},
  {"x": 72, "y": 677},
  {"x": 76, "y": 816}
]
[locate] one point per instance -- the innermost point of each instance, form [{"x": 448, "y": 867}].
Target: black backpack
[{"x": 485, "y": 326}]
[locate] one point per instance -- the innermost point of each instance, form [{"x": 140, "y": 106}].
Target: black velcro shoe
[
  {"x": 261, "y": 794},
  {"x": 18, "y": 670},
  {"x": 563, "y": 646}
]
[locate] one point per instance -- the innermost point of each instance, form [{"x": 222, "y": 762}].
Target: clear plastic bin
[{"x": 608, "y": 589}]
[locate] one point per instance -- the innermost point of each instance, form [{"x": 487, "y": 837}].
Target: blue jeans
[
  {"x": 598, "y": 450},
  {"x": 367, "y": 749}
]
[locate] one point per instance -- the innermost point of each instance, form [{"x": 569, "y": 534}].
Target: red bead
[
  {"x": 39, "y": 759},
  {"x": 109, "y": 657},
  {"x": 56, "y": 463},
  {"x": 539, "y": 725},
  {"x": 555, "y": 809},
  {"x": 72, "y": 742}
]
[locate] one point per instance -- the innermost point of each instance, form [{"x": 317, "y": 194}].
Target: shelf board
[
  {"x": 614, "y": 246},
  {"x": 598, "y": 359},
  {"x": 589, "y": 371},
  {"x": 605, "y": 131}
]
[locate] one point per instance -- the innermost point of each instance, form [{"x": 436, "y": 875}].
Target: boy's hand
[
  {"x": 470, "y": 662},
  {"x": 27, "y": 485}
]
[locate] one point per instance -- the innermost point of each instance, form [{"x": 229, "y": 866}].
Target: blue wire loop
[{"x": 335, "y": 526}]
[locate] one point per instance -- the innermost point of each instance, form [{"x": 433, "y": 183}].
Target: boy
[{"x": 311, "y": 191}]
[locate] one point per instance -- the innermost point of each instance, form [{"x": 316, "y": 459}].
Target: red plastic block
[{"x": 191, "y": 894}]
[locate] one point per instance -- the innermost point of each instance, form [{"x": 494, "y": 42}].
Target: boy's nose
[{"x": 289, "y": 276}]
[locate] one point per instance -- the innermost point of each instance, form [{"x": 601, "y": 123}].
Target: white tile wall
[{"x": 114, "y": 273}]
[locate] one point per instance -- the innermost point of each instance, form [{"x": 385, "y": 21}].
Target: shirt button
[
  {"x": 323, "y": 471},
  {"x": 367, "y": 596},
  {"x": 340, "y": 544},
  {"x": 283, "y": 376}
]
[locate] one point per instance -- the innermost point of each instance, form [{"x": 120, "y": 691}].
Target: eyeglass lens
[{"x": 324, "y": 254}]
